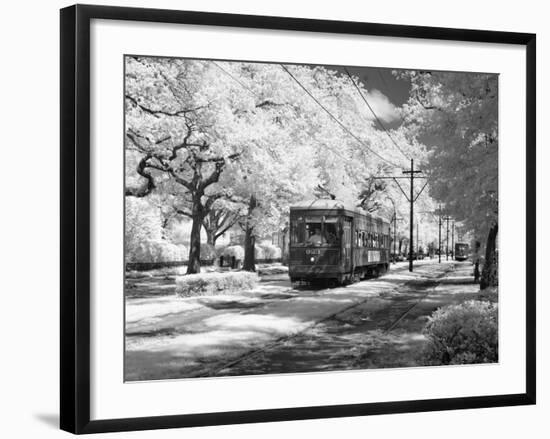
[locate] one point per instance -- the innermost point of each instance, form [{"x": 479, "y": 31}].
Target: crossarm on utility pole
[
  {"x": 401, "y": 189},
  {"x": 411, "y": 176},
  {"x": 423, "y": 187}
]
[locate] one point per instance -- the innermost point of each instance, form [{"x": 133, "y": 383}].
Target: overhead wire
[
  {"x": 387, "y": 87},
  {"x": 256, "y": 96},
  {"x": 374, "y": 114},
  {"x": 345, "y": 128},
  {"x": 235, "y": 79}
]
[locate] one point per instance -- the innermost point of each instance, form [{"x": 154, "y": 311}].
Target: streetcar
[
  {"x": 334, "y": 242},
  {"x": 461, "y": 251}
]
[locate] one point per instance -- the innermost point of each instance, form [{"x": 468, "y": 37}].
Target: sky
[{"x": 385, "y": 93}]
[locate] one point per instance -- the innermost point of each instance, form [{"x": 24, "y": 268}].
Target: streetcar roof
[{"x": 324, "y": 204}]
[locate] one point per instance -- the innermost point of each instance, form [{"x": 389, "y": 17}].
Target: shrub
[
  {"x": 215, "y": 283},
  {"x": 143, "y": 223},
  {"x": 271, "y": 251},
  {"x": 259, "y": 252},
  {"x": 234, "y": 250},
  {"x": 208, "y": 252},
  {"x": 220, "y": 249},
  {"x": 272, "y": 269},
  {"x": 158, "y": 250},
  {"x": 178, "y": 232},
  {"x": 489, "y": 294},
  {"x": 463, "y": 334}
]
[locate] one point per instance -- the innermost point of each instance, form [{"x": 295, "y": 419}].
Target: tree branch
[
  {"x": 425, "y": 106},
  {"x": 133, "y": 136},
  {"x": 159, "y": 113},
  {"x": 268, "y": 103},
  {"x": 149, "y": 185}
]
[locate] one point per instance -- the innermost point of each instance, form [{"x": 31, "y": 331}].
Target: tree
[
  {"x": 183, "y": 123},
  {"x": 274, "y": 169},
  {"x": 143, "y": 222},
  {"x": 227, "y": 142},
  {"x": 370, "y": 195},
  {"x": 310, "y": 149},
  {"x": 222, "y": 216},
  {"x": 459, "y": 111}
]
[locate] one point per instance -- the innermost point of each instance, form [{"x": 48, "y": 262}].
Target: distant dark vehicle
[
  {"x": 414, "y": 256},
  {"x": 461, "y": 251},
  {"x": 397, "y": 257},
  {"x": 421, "y": 254},
  {"x": 332, "y": 241}
]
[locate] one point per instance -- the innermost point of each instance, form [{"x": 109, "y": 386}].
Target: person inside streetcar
[{"x": 316, "y": 238}]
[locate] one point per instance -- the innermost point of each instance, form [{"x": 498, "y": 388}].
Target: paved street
[{"x": 278, "y": 329}]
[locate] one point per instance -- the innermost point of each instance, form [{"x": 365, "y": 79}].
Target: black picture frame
[{"x": 75, "y": 217}]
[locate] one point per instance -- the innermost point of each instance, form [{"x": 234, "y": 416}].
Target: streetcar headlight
[{"x": 312, "y": 259}]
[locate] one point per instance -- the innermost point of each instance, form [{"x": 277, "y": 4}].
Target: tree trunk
[
  {"x": 210, "y": 236},
  {"x": 476, "y": 262},
  {"x": 285, "y": 246},
  {"x": 249, "y": 239},
  {"x": 194, "y": 265},
  {"x": 489, "y": 274}
]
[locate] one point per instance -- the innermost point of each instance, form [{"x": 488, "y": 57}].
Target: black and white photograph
[
  {"x": 275, "y": 219},
  {"x": 295, "y": 218}
]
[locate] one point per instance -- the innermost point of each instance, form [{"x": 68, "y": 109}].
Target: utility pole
[
  {"x": 447, "y": 218},
  {"x": 453, "y": 242},
  {"x": 417, "y": 247},
  {"x": 439, "y": 252},
  {"x": 440, "y": 220},
  {"x": 394, "y": 220},
  {"x": 394, "y": 237},
  {"x": 411, "y": 198}
]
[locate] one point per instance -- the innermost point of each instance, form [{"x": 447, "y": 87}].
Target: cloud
[{"x": 382, "y": 106}]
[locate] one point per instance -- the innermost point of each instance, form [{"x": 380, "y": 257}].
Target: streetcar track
[
  {"x": 429, "y": 291},
  {"x": 285, "y": 338}
]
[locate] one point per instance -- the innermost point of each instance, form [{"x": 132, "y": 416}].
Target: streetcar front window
[
  {"x": 315, "y": 231},
  {"x": 297, "y": 231},
  {"x": 330, "y": 231},
  {"x": 314, "y": 235}
]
